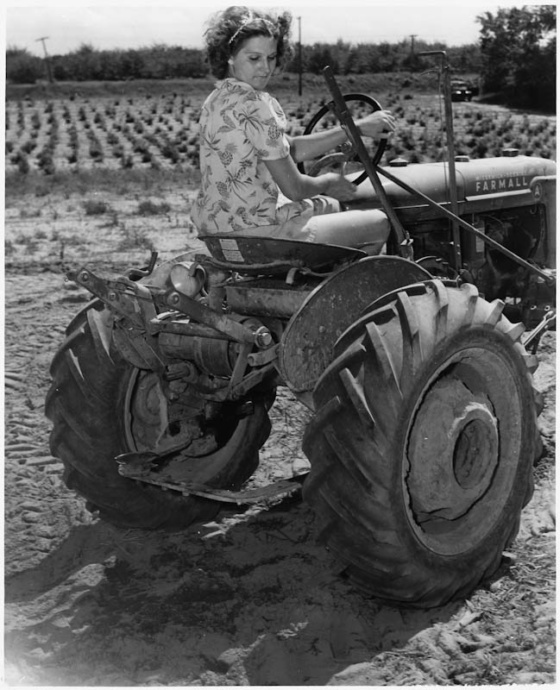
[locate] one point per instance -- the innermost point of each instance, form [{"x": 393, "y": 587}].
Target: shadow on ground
[{"x": 248, "y": 600}]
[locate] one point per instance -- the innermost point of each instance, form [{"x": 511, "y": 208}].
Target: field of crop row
[{"x": 161, "y": 131}]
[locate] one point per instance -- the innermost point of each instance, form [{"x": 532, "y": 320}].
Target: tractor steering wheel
[{"x": 343, "y": 156}]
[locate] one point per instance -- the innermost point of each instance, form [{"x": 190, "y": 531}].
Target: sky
[{"x": 104, "y": 26}]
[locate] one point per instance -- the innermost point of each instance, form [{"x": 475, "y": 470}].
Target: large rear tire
[
  {"x": 423, "y": 444},
  {"x": 101, "y": 407}
]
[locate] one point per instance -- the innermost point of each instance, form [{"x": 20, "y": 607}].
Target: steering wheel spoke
[{"x": 337, "y": 160}]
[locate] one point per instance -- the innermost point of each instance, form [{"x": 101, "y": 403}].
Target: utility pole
[
  {"x": 47, "y": 59},
  {"x": 412, "y": 59},
  {"x": 300, "y": 66}
]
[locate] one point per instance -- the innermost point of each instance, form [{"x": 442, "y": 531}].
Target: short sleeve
[{"x": 264, "y": 124}]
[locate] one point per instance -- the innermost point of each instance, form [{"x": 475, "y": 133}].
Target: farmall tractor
[{"x": 410, "y": 331}]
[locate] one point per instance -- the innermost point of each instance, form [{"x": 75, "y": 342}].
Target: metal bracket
[
  {"x": 209, "y": 317},
  {"x": 134, "y": 307},
  {"x": 113, "y": 292},
  {"x": 531, "y": 342}
]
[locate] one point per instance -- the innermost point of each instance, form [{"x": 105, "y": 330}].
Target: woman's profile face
[{"x": 255, "y": 61}]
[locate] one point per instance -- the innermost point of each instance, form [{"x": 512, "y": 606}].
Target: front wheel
[
  {"x": 423, "y": 444},
  {"x": 101, "y": 407}
]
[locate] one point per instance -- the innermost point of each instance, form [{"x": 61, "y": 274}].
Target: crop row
[{"x": 162, "y": 131}]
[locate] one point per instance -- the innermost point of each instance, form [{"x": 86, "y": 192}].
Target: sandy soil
[{"x": 250, "y": 599}]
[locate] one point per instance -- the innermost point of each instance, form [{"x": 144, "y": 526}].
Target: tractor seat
[
  {"x": 338, "y": 237},
  {"x": 272, "y": 256}
]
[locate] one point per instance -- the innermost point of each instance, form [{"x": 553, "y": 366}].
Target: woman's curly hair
[{"x": 227, "y": 30}]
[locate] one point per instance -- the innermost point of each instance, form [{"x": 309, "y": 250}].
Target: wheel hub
[
  {"x": 453, "y": 451},
  {"x": 150, "y": 427}
]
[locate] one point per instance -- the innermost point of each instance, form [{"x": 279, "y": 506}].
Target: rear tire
[
  {"x": 423, "y": 443},
  {"x": 101, "y": 406}
]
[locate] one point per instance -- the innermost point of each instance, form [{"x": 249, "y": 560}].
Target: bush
[
  {"x": 135, "y": 239},
  {"x": 29, "y": 146},
  {"x": 149, "y": 208},
  {"x": 45, "y": 161},
  {"x": 22, "y": 67},
  {"x": 22, "y": 163},
  {"x": 94, "y": 207}
]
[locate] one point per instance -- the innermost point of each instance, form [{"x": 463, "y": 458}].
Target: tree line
[
  {"x": 518, "y": 50},
  {"x": 174, "y": 62},
  {"x": 515, "y": 56}
]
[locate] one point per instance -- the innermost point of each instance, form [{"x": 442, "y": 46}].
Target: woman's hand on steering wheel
[{"x": 378, "y": 125}]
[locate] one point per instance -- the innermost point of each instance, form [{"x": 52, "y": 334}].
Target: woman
[{"x": 250, "y": 183}]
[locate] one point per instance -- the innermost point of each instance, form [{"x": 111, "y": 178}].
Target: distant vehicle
[{"x": 461, "y": 91}]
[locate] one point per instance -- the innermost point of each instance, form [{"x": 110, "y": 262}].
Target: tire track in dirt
[{"x": 37, "y": 514}]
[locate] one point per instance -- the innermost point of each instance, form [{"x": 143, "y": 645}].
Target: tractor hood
[{"x": 477, "y": 180}]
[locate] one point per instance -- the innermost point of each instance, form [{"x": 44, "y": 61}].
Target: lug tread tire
[
  {"x": 85, "y": 403},
  {"x": 363, "y": 402}
]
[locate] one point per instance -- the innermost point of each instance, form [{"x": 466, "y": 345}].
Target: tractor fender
[{"x": 307, "y": 343}]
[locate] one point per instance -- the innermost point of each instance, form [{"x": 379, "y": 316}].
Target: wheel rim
[
  {"x": 461, "y": 451},
  {"x": 149, "y": 427}
]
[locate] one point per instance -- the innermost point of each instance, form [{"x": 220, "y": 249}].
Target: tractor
[{"x": 409, "y": 329}]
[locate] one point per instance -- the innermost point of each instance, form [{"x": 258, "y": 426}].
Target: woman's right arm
[
  {"x": 379, "y": 124},
  {"x": 297, "y": 186}
]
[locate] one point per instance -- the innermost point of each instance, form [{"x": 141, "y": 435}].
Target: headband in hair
[{"x": 249, "y": 19}]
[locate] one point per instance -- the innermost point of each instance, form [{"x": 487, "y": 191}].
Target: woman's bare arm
[
  {"x": 297, "y": 186},
  {"x": 378, "y": 124}
]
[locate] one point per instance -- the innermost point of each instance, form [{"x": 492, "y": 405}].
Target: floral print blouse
[{"x": 240, "y": 128}]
